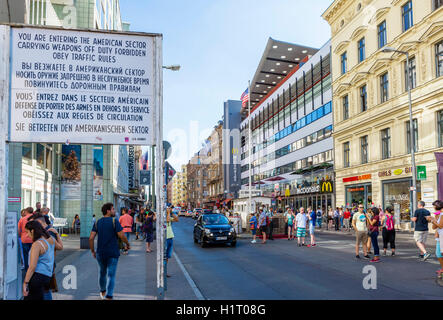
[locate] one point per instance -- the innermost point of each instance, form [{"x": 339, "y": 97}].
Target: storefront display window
[
  {"x": 397, "y": 194},
  {"x": 359, "y": 194}
]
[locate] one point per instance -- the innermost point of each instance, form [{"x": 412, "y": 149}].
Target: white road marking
[{"x": 191, "y": 282}]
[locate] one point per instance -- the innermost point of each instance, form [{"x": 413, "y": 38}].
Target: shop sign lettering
[{"x": 312, "y": 189}]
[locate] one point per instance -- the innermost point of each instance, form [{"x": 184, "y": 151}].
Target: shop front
[
  {"x": 318, "y": 194},
  {"x": 397, "y": 194},
  {"x": 359, "y": 194}
]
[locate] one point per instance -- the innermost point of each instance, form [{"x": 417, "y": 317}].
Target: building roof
[{"x": 277, "y": 62}]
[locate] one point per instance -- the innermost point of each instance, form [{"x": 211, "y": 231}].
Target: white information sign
[
  {"x": 11, "y": 246},
  {"x": 70, "y": 86}
]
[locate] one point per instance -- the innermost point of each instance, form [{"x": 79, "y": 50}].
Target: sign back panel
[{"x": 71, "y": 86}]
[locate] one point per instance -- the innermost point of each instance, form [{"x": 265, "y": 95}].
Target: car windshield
[{"x": 215, "y": 219}]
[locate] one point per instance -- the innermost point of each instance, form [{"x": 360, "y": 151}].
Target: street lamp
[
  {"x": 160, "y": 198},
  {"x": 174, "y": 67},
  {"x": 411, "y": 128}
]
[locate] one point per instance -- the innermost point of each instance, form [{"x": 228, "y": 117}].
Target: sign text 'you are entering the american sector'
[{"x": 81, "y": 87}]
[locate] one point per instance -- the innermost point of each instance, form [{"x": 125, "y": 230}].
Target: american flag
[{"x": 244, "y": 98}]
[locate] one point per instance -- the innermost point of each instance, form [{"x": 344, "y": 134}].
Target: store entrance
[{"x": 359, "y": 194}]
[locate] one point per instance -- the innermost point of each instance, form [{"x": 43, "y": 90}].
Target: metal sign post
[
  {"x": 4, "y": 150},
  {"x": 160, "y": 208}
]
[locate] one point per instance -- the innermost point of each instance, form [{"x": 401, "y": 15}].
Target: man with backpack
[
  {"x": 319, "y": 217},
  {"x": 109, "y": 232}
]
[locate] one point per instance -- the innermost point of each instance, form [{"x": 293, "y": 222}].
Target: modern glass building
[{"x": 291, "y": 122}]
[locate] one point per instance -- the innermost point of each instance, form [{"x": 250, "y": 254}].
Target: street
[{"x": 277, "y": 270}]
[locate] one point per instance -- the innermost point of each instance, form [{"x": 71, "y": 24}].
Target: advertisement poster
[
  {"x": 98, "y": 173},
  {"x": 71, "y": 172}
]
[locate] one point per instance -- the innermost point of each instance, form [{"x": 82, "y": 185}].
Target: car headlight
[{"x": 207, "y": 231}]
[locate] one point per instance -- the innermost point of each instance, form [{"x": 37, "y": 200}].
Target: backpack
[
  {"x": 390, "y": 223},
  {"x": 319, "y": 213}
]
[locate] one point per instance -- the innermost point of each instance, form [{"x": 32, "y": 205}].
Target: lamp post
[
  {"x": 411, "y": 129},
  {"x": 159, "y": 157},
  {"x": 249, "y": 147}
]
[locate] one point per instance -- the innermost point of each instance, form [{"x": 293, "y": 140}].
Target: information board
[
  {"x": 11, "y": 246},
  {"x": 70, "y": 86}
]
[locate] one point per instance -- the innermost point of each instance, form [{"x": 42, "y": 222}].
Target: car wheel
[{"x": 233, "y": 243}]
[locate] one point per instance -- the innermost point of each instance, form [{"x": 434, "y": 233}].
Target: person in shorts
[
  {"x": 253, "y": 223},
  {"x": 421, "y": 231},
  {"x": 360, "y": 224},
  {"x": 301, "y": 222}
]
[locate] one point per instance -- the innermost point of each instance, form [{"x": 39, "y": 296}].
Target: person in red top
[
  {"x": 126, "y": 222},
  {"x": 24, "y": 237},
  {"x": 347, "y": 219}
]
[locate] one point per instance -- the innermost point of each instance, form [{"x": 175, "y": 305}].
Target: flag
[
  {"x": 144, "y": 161},
  {"x": 244, "y": 98}
]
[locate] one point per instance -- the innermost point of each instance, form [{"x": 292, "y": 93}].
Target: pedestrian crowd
[{"x": 367, "y": 224}]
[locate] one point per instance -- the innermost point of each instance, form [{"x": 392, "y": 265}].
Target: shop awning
[
  {"x": 276, "y": 179},
  {"x": 226, "y": 201}
]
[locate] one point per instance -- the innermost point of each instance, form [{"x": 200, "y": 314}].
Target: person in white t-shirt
[{"x": 301, "y": 221}]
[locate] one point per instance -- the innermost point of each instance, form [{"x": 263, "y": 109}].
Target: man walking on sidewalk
[
  {"x": 126, "y": 221},
  {"x": 109, "y": 230},
  {"x": 360, "y": 224},
  {"x": 421, "y": 229}
]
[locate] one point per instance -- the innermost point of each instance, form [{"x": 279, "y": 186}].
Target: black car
[{"x": 214, "y": 228}]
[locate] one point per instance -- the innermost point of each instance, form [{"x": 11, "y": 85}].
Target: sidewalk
[{"x": 136, "y": 274}]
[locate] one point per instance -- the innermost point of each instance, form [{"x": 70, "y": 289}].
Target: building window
[
  {"x": 346, "y": 152},
  {"x": 408, "y": 135},
  {"x": 407, "y": 15},
  {"x": 345, "y": 107},
  {"x": 412, "y": 74},
  {"x": 40, "y": 155},
  {"x": 364, "y": 149},
  {"x": 361, "y": 50},
  {"x": 440, "y": 128},
  {"x": 384, "y": 85},
  {"x": 382, "y": 34},
  {"x": 385, "y": 143},
  {"x": 344, "y": 62},
  {"x": 439, "y": 58},
  {"x": 363, "y": 99},
  {"x": 27, "y": 153},
  {"x": 437, "y": 4}
]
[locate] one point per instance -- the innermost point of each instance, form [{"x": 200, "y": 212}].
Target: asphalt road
[{"x": 281, "y": 270}]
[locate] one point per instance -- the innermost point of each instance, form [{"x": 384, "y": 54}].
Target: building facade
[
  {"x": 232, "y": 117},
  {"x": 179, "y": 189},
  {"x": 371, "y": 114},
  {"x": 197, "y": 173},
  {"x": 291, "y": 124}
]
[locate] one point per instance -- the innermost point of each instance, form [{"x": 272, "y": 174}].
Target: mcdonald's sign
[{"x": 326, "y": 186}]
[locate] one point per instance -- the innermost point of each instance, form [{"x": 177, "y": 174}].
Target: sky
[{"x": 218, "y": 44}]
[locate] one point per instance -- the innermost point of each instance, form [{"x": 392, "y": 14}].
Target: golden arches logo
[
  {"x": 326, "y": 186},
  {"x": 234, "y": 151}
]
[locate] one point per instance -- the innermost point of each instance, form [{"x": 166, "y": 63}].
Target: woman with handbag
[
  {"x": 41, "y": 261},
  {"x": 374, "y": 223}
]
